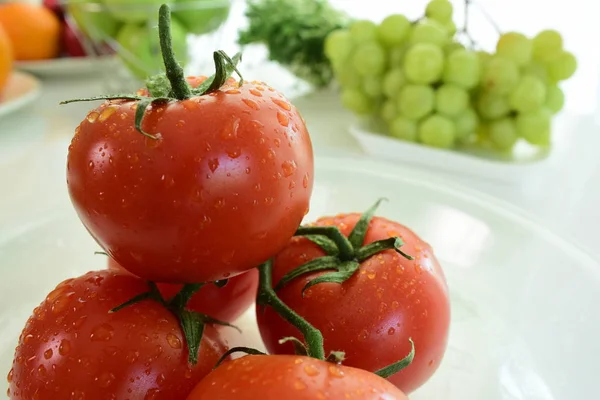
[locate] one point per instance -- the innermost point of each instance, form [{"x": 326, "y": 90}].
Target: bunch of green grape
[{"x": 425, "y": 86}]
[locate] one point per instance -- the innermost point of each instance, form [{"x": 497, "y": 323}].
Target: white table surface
[{"x": 34, "y": 141}]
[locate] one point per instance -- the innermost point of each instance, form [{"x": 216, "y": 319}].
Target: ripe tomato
[
  {"x": 291, "y": 378},
  {"x": 225, "y": 303},
  {"x": 73, "y": 348},
  {"x": 371, "y": 316},
  {"x": 221, "y": 190}
]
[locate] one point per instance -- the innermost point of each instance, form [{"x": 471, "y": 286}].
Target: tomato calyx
[
  {"x": 192, "y": 323},
  {"x": 344, "y": 254},
  {"x": 172, "y": 85}
]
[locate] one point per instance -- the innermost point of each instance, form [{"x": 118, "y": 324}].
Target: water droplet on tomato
[
  {"x": 248, "y": 170},
  {"x": 335, "y": 371},
  {"x": 64, "y": 348},
  {"x": 132, "y": 356},
  {"x": 283, "y": 119},
  {"x": 269, "y": 201},
  {"x": 105, "y": 379},
  {"x": 299, "y": 385},
  {"x": 251, "y": 103},
  {"x": 283, "y": 104},
  {"x": 233, "y": 91},
  {"x": 213, "y": 164},
  {"x": 255, "y": 92},
  {"x": 391, "y": 331},
  {"x": 48, "y": 354},
  {"x": 363, "y": 335},
  {"x": 41, "y": 369},
  {"x": 288, "y": 167},
  {"x": 234, "y": 153},
  {"x": 92, "y": 117},
  {"x": 61, "y": 302},
  {"x": 311, "y": 370},
  {"x": 305, "y": 181},
  {"x": 204, "y": 222},
  {"x": 91, "y": 165},
  {"x": 106, "y": 113},
  {"x": 292, "y": 185},
  {"x": 9, "y": 377},
  {"x": 102, "y": 333},
  {"x": 173, "y": 341}
]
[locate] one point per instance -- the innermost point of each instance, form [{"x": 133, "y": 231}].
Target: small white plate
[
  {"x": 20, "y": 90},
  {"x": 518, "y": 167},
  {"x": 65, "y": 66},
  {"x": 524, "y": 300}
]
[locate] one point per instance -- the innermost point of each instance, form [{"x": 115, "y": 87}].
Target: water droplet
[
  {"x": 233, "y": 91},
  {"x": 255, "y": 92},
  {"x": 190, "y": 105},
  {"x": 288, "y": 167},
  {"x": 213, "y": 164},
  {"x": 335, "y": 371},
  {"x": 230, "y": 130},
  {"x": 9, "y": 377},
  {"x": 395, "y": 305},
  {"x": 299, "y": 385},
  {"x": 391, "y": 331},
  {"x": 64, "y": 348},
  {"x": 106, "y": 113},
  {"x": 248, "y": 170},
  {"x": 283, "y": 119},
  {"x": 91, "y": 165},
  {"x": 61, "y": 303},
  {"x": 269, "y": 200},
  {"x": 173, "y": 341},
  {"x": 292, "y": 185},
  {"x": 257, "y": 187},
  {"x": 283, "y": 104},
  {"x": 234, "y": 153},
  {"x": 363, "y": 335},
  {"x": 418, "y": 269},
  {"x": 132, "y": 356},
  {"x": 102, "y": 333},
  {"x": 371, "y": 275},
  {"x": 430, "y": 363},
  {"x": 311, "y": 370},
  {"x": 41, "y": 370},
  {"x": 305, "y": 181},
  {"x": 204, "y": 222},
  {"x": 48, "y": 354},
  {"x": 251, "y": 103},
  {"x": 105, "y": 379},
  {"x": 298, "y": 361},
  {"x": 92, "y": 117}
]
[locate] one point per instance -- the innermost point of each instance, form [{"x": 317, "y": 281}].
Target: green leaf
[
  {"x": 140, "y": 111},
  {"x": 396, "y": 367},
  {"x": 381, "y": 245},
  {"x": 192, "y": 325},
  {"x": 180, "y": 300},
  {"x": 357, "y": 236},
  {"x": 105, "y": 97},
  {"x": 215, "y": 321},
  {"x": 317, "y": 264},
  {"x": 299, "y": 347},
  {"x": 224, "y": 67},
  {"x": 346, "y": 270},
  {"x": 345, "y": 249},
  {"x": 152, "y": 294},
  {"x": 328, "y": 245},
  {"x": 247, "y": 350},
  {"x": 158, "y": 86}
]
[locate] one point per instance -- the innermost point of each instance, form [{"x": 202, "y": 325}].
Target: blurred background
[{"x": 524, "y": 130}]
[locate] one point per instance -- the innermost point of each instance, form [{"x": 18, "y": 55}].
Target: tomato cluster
[{"x": 196, "y": 188}]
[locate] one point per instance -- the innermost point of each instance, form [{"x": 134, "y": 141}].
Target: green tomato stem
[
  {"x": 267, "y": 297},
  {"x": 346, "y": 251},
  {"x": 179, "y": 86}
]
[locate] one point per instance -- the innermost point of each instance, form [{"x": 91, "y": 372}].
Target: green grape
[
  {"x": 396, "y": 56},
  {"x": 516, "y": 47},
  {"x": 373, "y": 86},
  {"x": 348, "y": 77},
  {"x": 338, "y": 45},
  {"x": 463, "y": 68},
  {"x": 393, "y": 30},
  {"x": 466, "y": 125},
  {"x": 535, "y": 127},
  {"x": 500, "y": 75},
  {"x": 547, "y": 45},
  {"x": 562, "y": 67},
  {"x": 483, "y": 56},
  {"x": 429, "y": 31},
  {"x": 356, "y": 101},
  {"x": 555, "y": 99},
  {"x": 439, "y": 10},
  {"x": 437, "y": 131},
  {"x": 416, "y": 101},
  {"x": 451, "y": 100},
  {"x": 388, "y": 110},
  {"x": 369, "y": 59},
  {"x": 450, "y": 47},
  {"x": 503, "y": 134},
  {"x": 363, "y": 31},
  {"x": 536, "y": 70},
  {"x": 528, "y": 95},
  {"x": 393, "y": 81},
  {"x": 491, "y": 106},
  {"x": 424, "y": 63},
  {"x": 450, "y": 28},
  {"x": 403, "y": 128}
]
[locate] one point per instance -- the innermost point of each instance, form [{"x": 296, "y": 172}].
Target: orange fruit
[
  {"x": 6, "y": 58},
  {"x": 34, "y": 30}
]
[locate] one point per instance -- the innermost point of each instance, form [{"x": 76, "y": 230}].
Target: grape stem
[{"x": 488, "y": 17}]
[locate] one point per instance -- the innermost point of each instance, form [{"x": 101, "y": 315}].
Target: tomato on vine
[
  {"x": 186, "y": 183},
  {"x": 74, "y": 347},
  {"x": 368, "y": 284}
]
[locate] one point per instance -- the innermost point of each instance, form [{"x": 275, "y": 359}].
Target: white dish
[
  {"x": 518, "y": 167},
  {"x": 524, "y": 300},
  {"x": 65, "y": 66},
  {"x": 20, "y": 90}
]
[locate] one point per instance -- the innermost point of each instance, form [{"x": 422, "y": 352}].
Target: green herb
[{"x": 294, "y": 32}]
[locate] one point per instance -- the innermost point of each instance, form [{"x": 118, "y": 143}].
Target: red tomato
[
  {"x": 222, "y": 189},
  {"x": 225, "y": 303},
  {"x": 73, "y": 348},
  {"x": 292, "y": 378},
  {"x": 372, "y": 315}
]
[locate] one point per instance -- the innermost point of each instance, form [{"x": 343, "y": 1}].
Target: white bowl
[{"x": 525, "y": 317}]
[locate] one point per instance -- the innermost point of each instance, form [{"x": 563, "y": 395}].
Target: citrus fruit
[{"x": 6, "y": 58}]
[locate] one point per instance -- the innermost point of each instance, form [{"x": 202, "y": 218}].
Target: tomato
[
  {"x": 221, "y": 190},
  {"x": 73, "y": 348},
  {"x": 291, "y": 378},
  {"x": 372, "y": 315},
  {"x": 223, "y": 303}
]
